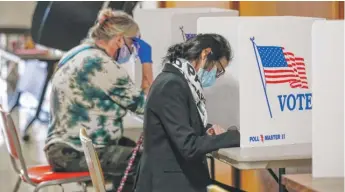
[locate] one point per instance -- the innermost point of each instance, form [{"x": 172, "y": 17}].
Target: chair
[
  {"x": 37, "y": 176},
  {"x": 93, "y": 163},
  {"x": 215, "y": 188}
]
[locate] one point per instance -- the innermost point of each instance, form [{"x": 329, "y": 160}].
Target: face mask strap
[
  {"x": 119, "y": 51},
  {"x": 209, "y": 63},
  {"x": 129, "y": 50},
  {"x": 117, "y": 54}
]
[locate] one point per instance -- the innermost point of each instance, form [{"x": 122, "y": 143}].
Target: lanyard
[{"x": 130, "y": 163}]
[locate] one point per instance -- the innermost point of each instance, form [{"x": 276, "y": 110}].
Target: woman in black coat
[{"x": 175, "y": 134}]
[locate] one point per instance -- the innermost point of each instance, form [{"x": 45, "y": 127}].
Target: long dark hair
[{"x": 191, "y": 49}]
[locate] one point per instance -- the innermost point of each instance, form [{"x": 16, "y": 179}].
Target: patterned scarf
[{"x": 191, "y": 76}]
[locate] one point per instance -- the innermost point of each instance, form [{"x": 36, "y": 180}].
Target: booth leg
[
  {"x": 281, "y": 186},
  {"x": 236, "y": 178}
]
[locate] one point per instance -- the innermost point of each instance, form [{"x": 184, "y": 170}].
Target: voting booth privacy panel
[
  {"x": 162, "y": 28},
  {"x": 328, "y": 100},
  {"x": 266, "y": 90}
]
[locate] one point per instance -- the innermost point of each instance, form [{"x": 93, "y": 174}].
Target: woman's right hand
[
  {"x": 146, "y": 90},
  {"x": 144, "y": 50}
]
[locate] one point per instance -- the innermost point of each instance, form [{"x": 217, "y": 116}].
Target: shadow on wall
[{"x": 223, "y": 102}]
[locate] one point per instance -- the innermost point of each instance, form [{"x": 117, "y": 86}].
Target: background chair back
[
  {"x": 11, "y": 138},
  {"x": 93, "y": 163}
]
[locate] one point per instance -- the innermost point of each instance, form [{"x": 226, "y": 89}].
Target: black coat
[{"x": 175, "y": 140}]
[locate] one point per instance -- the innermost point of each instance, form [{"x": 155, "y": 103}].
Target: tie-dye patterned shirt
[{"x": 93, "y": 92}]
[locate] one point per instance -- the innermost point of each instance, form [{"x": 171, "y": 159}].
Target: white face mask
[{"x": 127, "y": 60}]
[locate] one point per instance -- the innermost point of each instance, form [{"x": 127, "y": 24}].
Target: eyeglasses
[{"x": 220, "y": 71}]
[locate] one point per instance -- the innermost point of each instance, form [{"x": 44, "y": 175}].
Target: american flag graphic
[
  {"x": 280, "y": 66},
  {"x": 189, "y": 35}
]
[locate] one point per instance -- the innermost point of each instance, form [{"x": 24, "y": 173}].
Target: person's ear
[
  {"x": 118, "y": 40},
  {"x": 205, "y": 53}
]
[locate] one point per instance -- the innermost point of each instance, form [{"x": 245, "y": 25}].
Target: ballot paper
[
  {"x": 132, "y": 120},
  {"x": 139, "y": 118}
]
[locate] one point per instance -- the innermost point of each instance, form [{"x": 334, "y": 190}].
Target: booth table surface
[
  {"x": 306, "y": 183},
  {"x": 282, "y": 156}
]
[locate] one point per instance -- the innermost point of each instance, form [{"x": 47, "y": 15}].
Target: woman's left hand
[
  {"x": 144, "y": 50},
  {"x": 215, "y": 130}
]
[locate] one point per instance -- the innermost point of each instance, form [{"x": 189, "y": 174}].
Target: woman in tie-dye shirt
[{"x": 92, "y": 91}]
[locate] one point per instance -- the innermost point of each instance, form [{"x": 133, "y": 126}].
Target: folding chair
[
  {"x": 37, "y": 176},
  {"x": 93, "y": 163}
]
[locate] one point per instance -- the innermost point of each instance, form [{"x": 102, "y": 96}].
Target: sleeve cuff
[{"x": 147, "y": 62}]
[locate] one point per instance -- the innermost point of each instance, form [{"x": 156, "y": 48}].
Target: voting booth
[
  {"x": 328, "y": 102},
  {"x": 266, "y": 90},
  {"x": 162, "y": 28}
]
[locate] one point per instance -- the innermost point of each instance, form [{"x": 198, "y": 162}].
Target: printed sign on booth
[
  {"x": 278, "y": 66},
  {"x": 186, "y": 36},
  {"x": 262, "y": 138},
  {"x": 275, "y": 80}
]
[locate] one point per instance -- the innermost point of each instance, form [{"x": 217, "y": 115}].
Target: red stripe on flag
[{"x": 294, "y": 74}]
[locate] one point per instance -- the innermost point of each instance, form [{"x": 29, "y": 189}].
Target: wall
[
  {"x": 193, "y": 4},
  {"x": 16, "y": 14},
  {"x": 325, "y": 9}
]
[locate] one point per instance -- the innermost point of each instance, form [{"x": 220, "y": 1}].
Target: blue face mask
[
  {"x": 124, "y": 55},
  {"x": 207, "y": 78}
]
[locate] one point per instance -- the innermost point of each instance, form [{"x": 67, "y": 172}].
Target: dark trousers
[{"x": 113, "y": 159}]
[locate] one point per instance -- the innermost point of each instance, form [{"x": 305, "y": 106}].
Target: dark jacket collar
[{"x": 168, "y": 67}]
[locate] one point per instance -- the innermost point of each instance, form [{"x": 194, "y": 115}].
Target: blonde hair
[{"x": 111, "y": 23}]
